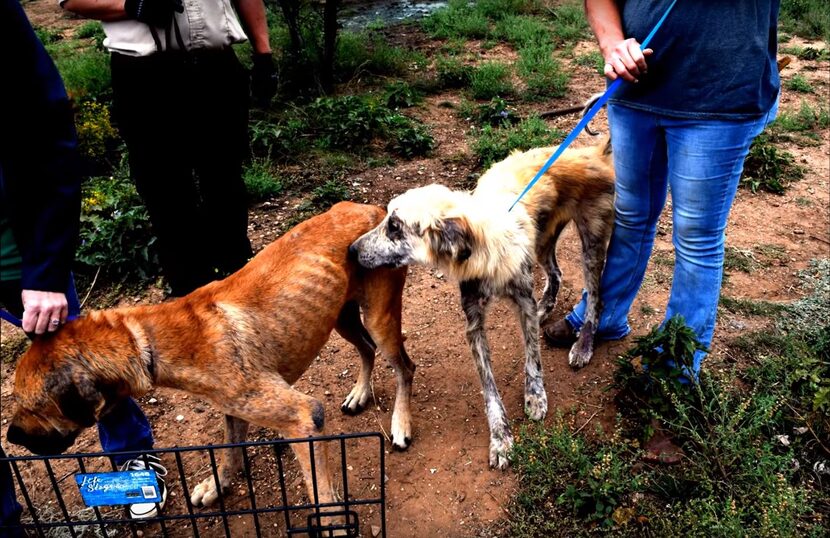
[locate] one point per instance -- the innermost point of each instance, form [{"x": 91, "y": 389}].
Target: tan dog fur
[
  {"x": 239, "y": 343},
  {"x": 491, "y": 251}
]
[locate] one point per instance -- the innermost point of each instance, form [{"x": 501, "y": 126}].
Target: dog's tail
[{"x": 586, "y": 107}]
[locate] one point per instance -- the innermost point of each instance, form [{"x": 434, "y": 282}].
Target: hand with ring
[
  {"x": 625, "y": 59},
  {"x": 43, "y": 311}
]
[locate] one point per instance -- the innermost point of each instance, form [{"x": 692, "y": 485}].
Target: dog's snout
[
  {"x": 353, "y": 251},
  {"x": 47, "y": 444}
]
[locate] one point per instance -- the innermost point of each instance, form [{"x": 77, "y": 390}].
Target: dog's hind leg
[
  {"x": 594, "y": 234},
  {"x": 521, "y": 292},
  {"x": 474, "y": 301},
  {"x": 382, "y": 312},
  {"x": 553, "y": 275},
  {"x": 352, "y": 330},
  {"x": 230, "y": 462}
]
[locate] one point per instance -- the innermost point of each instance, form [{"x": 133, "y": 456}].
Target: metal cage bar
[{"x": 313, "y": 512}]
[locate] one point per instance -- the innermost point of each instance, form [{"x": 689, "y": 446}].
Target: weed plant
[{"x": 494, "y": 144}]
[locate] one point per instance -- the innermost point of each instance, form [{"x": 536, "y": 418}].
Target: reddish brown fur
[{"x": 240, "y": 342}]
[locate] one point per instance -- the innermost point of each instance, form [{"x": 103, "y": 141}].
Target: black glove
[
  {"x": 153, "y": 12},
  {"x": 263, "y": 79}
]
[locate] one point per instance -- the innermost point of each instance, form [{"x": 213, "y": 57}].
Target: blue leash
[
  {"x": 11, "y": 319},
  {"x": 590, "y": 115}
]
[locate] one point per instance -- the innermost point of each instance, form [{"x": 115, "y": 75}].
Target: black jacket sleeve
[{"x": 39, "y": 174}]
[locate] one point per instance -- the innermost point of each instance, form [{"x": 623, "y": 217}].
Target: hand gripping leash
[{"x": 589, "y": 115}]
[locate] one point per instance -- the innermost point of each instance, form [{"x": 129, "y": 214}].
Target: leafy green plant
[
  {"x": 768, "y": 168},
  {"x": 115, "y": 229},
  {"x": 491, "y": 79},
  {"x": 261, "y": 181},
  {"x": 541, "y": 73},
  {"x": 401, "y": 95},
  {"x": 283, "y": 140},
  {"x": 329, "y": 193},
  {"x": 799, "y": 84},
  {"x": 85, "y": 72},
  {"x": 496, "y": 113},
  {"x": 407, "y": 138},
  {"x": 47, "y": 35},
  {"x": 494, "y": 144}
]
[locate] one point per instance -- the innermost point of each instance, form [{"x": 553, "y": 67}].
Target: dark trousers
[
  {"x": 184, "y": 117},
  {"x": 125, "y": 428}
]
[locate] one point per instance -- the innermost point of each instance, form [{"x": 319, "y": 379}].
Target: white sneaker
[{"x": 148, "y": 510}]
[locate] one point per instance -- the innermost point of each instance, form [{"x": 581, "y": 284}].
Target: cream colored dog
[{"x": 491, "y": 252}]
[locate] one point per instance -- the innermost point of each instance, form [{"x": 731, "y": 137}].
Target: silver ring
[{"x": 55, "y": 322}]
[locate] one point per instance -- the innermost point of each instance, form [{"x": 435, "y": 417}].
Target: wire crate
[{"x": 269, "y": 498}]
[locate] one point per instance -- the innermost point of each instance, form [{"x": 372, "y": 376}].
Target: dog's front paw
[
  {"x": 356, "y": 401},
  {"x": 536, "y": 400},
  {"x": 206, "y": 493},
  {"x": 401, "y": 430},
  {"x": 581, "y": 353},
  {"x": 500, "y": 450}
]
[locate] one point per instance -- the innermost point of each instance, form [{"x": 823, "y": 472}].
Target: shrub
[
  {"x": 115, "y": 229},
  {"x": 806, "y": 18},
  {"x": 278, "y": 140},
  {"x": 345, "y": 122},
  {"x": 807, "y": 118},
  {"x": 494, "y": 144},
  {"x": 85, "y": 73},
  {"x": 401, "y": 95},
  {"x": 92, "y": 30},
  {"x": 491, "y": 79},
  {"x": 799, "y": 84},
  {"x": 329, "y": 193},
  {"x": 97, "y": 138},
  {"x": 768, "y": 168},
  {"x": 408, "y": 139},
  {"x": 260, "y": 180},
  {"x": 496, "y": 113},
  {"x": 541, "y": 73}
]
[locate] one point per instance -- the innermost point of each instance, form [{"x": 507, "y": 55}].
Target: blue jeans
[
  {"x": 125, "y": 428},
  {"x": 701, "y": 162}
]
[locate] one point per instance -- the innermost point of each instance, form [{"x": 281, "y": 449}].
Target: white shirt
[{"x": 204, "y": 24}]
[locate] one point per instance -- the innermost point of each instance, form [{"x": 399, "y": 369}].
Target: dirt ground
[{"x": 442, "y": 485}]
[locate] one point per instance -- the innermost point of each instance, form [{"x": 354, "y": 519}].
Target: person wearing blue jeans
[
  {"x": 40, "y": 201},
  {"x": 683, "y": 124}
]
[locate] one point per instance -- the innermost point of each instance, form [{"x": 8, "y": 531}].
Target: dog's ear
[
  {"x": 452, "y": 238},
  {"x": 80, "y": 398}
]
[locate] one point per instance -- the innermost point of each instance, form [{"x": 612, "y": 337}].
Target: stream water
[{"x": 358, "y": 16}]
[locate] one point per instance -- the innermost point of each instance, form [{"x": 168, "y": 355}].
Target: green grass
[
  {"x": 750, "y": 307},
  {"x": 523, "y": 31},
  {"x": 491, "y": 79},
  {"x": 458, "y": 20},
  {"x": 365, "y": 52},
  {"x": 798, "y": 83},
  {"x": 591, "y": 59},
  {"x": 569, "y": 22},
  {"x": 807, "y": 53},
  {"x": 494, "y": 144},
  {"x": 452, "y": 72},
  {"x": 541, "y": 73},
  {"x": 85, "y": 70},
  {"x": 806, "y": 118}
]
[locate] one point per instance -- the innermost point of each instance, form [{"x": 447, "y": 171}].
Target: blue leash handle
[{"x": 590, "y": 115}]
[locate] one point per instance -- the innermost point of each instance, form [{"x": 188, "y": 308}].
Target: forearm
[
  {"x": 254, "y": 20},
  {"x": 102, "y": 10},
  {"x": 604, "y": 18}
]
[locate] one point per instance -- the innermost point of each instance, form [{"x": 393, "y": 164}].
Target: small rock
[
  {"x": 179, "y": 418},
  {"x": 798, "y": 431},
  {"x": 375, "y": 530},
  {"x": 152, "y": 400}
]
